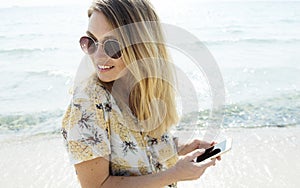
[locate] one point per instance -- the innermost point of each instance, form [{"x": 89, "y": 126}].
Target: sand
[{"x": 260, "y": 157}]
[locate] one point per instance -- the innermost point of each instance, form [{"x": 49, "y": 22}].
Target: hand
[
  {"x": 212, "y": 144},
  {"x": 186, "y": 169},
  {"x": 191, "y": 146}
]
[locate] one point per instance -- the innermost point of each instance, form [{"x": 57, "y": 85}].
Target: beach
[
  {"x": 255, "y": 45},
  {"x": 260, "y": 157}
]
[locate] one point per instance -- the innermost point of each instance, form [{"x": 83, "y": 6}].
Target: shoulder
[
  {"x": 91, "y": 89},
  {"x": 83, "y": 107}
]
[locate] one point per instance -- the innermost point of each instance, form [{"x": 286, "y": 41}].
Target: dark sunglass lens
[
  {"x": 112, "y": 49},
  {"x": 87, "y": 45}
]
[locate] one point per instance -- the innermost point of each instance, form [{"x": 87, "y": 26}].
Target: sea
[{"x": 255, "y": 44}]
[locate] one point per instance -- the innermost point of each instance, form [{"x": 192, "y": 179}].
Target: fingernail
[{"x": 201, "y": 150}]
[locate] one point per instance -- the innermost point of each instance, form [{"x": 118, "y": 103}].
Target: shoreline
[{"x": 260, "y": 157}]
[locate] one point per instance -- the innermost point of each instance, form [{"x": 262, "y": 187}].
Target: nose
[
  {"x": 99, "y": 57},
  {"x": 99, "y": 53}
]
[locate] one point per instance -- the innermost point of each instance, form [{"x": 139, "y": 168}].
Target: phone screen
[{"x": 214, "y": 151}]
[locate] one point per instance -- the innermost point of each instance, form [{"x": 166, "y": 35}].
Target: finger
[
  {"x": 192, "y": 155},
  {"x": 208, "y": 163},
  {"x": 197, "y": 142},
  {"x": 213, "y": 143},
  {"x": 204, "y": 144}
]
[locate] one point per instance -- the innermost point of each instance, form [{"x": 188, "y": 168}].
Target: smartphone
[{"x": 215, "y": 150}]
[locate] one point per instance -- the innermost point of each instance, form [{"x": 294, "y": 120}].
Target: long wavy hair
[{"x": 152, "y": 90}]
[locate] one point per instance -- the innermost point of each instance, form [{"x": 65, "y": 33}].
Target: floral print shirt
[{"x": 93, "y": 126}]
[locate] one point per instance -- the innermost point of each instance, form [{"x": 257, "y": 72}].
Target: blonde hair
[{"x": 152, "y": 97}]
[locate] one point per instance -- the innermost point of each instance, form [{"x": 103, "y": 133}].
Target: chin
[{"x": 106, "y": 80}]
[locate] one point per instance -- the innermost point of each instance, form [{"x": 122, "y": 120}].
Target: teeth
[{"x": 104, "y": 67}]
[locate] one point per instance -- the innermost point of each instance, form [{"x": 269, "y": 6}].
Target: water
[{"x": 256, "y": 45}]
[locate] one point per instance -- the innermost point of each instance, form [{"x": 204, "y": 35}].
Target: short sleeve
[{"x": 84, "y": 131}]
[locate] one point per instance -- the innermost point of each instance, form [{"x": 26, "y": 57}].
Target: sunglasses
[{"x": 111, "y": 47}]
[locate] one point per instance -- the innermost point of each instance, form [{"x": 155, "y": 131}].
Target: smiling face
[{"x": 107, "y": 68}]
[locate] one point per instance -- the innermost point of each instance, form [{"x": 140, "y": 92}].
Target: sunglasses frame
[{"x": 102, "y": 44}]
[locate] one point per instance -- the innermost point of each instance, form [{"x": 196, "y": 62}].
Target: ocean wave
[
  {"x": 30, "y": 35},
  {"x": 33, "y": 123},
  {"x": 279, "y": 111},
  {"x": 289, "y": 20},
  {"x": 252, "y": 40},
  {"x": 23, "y": 79},
  {"x": 20, "y": 51},
  {"x": 22, "y": 35},
  {"x": 233, "y": 31},
  {"x": 50, "y": 73}
]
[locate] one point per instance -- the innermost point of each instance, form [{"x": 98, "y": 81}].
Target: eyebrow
[
  {"x": 95, "y": 38},
  {"x": 91, "y": 35}
]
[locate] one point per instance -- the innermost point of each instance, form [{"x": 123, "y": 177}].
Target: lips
[{"x": 105, "y": 67}]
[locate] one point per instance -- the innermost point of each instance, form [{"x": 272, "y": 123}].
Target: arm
[{"x": 95, "y": 173}]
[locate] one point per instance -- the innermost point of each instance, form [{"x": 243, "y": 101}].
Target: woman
[{"x": 117, "y": 125}]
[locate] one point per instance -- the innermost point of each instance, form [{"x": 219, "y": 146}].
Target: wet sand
[{"x": 260, "y": 157}]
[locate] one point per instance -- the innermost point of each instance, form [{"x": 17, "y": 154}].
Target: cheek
[
  {"x": 122, "y": 68},
  {"x": 120, "y": 64},
  {"x": 94, "y": 62}
]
